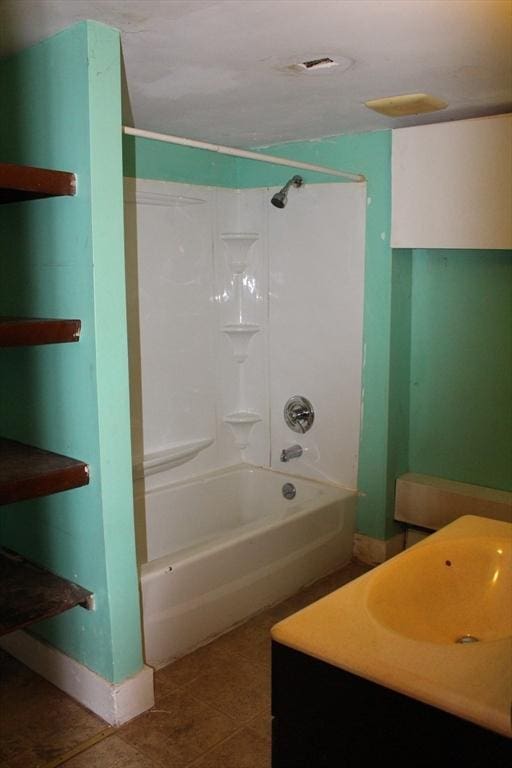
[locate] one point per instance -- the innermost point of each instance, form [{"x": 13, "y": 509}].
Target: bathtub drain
[
  {"x": 289, "y": 490},
  {"x": 467, "y": 639}
]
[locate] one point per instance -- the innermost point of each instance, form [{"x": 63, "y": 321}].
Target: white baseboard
[
  {"x": 114, "y": 702},
  {"x": 375, "y": 551}
]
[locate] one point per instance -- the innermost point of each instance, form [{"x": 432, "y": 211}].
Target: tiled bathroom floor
[{"x": 212, "y": 707}]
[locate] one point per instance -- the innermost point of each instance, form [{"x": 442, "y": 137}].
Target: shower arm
[{"x": 243, "y": 153}]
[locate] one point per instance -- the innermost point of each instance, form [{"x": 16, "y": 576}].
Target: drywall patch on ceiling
[{"x": 406, "y": 104}]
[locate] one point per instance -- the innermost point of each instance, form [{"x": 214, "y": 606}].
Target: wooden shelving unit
[
  {"x": 22, "y": 331},
  {"x": 27, "y": 472},
  {"x": 29, "y": 593},
  {"x": 24, "y": 182}
]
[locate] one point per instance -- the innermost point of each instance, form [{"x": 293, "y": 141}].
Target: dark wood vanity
[{"x": 325, "y": 717}]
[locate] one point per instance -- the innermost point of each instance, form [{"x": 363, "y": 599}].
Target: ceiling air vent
[
  {"x": 319, "y": 63},
  {"x": 322, "y": 64}
]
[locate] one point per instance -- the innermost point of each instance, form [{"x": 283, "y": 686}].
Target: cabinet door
[{"x": 452, "y": 185}]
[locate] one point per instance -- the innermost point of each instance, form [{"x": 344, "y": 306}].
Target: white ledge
[
  {"x": 170, "y": 457},
  {"x": 156, "y": 193},
  {"x": 242, "y": 417}
]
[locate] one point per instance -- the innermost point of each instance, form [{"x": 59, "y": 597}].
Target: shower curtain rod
[{"x": 245, "y": 153}]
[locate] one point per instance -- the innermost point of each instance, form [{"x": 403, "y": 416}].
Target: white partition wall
[{"x": 234, "y": 306}]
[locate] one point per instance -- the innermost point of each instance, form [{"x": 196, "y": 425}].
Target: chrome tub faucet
[{"x": 294, "y": 452}]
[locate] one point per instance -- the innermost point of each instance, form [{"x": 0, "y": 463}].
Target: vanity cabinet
[
  {"x": 325, "y": 717},
  {"x": 451, "y": 185}
]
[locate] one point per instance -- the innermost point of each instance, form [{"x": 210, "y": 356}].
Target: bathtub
[{"x": 226, "y": 545}]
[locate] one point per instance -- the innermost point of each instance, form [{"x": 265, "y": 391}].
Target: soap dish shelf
[
  {"x": 240, "y": 335},
  {"x": 237, "y": 246},
  {"x": 242, "y": 422},
  {"x": 170, "y": 457}
]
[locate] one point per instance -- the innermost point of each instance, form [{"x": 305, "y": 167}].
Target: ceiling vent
[{"x": 321, "y": 64}]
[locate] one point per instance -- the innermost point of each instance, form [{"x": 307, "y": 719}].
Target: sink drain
[{"x": 467, "y": 639}]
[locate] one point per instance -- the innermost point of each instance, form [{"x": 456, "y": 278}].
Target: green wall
[
  {"x": 148, "y": 159},
  {"x": 461, "y": 366},
  {"x": 65, "y": 258}
]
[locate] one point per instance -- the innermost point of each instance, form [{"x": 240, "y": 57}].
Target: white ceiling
[{"x": 217, "y": 69}]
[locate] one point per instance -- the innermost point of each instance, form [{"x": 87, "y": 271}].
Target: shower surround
[{"x": 235, "y": 306}]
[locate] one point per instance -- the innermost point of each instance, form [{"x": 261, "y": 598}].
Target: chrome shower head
[{"x": 280, "y": 198}]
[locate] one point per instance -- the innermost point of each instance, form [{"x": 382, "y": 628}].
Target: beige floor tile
[
  {"x": 237, "y": 687},
  {"x": 111, "y": 753},
  {"x": 262, "y": 725},
  {"x": 250, "y": 640},
  {"x": 213, "y": 705},
  {"x": 186, "y": 669},
  {"x": 38, "y": 720},
  {"x": 245, "y": 749},
  {"x": 178, "y": 730}
]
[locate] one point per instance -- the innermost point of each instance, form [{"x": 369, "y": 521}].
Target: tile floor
[{"x": 212, "y": 707}]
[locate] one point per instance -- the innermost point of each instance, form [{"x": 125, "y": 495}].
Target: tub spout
[{"x": 291, "y": 453}]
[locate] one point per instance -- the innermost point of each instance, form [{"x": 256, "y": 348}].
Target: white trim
[
  {"x": 114, "y": 702},
  {"x": 247, "y": 154},
  {"x": 139, "y": 191}
]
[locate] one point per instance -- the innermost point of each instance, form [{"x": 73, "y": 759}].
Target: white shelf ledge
[{"x": 170, "y": 457}]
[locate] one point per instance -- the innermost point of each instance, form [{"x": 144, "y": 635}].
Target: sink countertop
[{"x": 472, "y": 681}]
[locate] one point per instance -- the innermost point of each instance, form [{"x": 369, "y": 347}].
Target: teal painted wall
[
  {"x": 148, "y": 159},
  {"x": 461, "y": 366},
  {"x": 65, "y": 258}
]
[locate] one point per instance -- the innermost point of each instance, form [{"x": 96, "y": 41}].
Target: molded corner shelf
[
  {"x": 238, "y": 245},
  {"x": 240, "y": 335},
  {"x": 22, "y": 331},
  {"x": 170, "y": 457},
  {"x": 242, "y": 422}
]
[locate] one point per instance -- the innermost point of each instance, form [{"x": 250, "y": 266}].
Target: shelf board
[
  {"x": 27, "y": 472},
  {"x": 29, "y": 593},
  {"x": 24, "y": 182},
  {"x": 22, "y": 331}
]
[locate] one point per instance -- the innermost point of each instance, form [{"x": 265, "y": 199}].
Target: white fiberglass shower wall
[{"x": 235, "y": 306}]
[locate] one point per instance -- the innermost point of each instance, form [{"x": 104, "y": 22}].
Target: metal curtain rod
[{"x": 247, "y": 154}]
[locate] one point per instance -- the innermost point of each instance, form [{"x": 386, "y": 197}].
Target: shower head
[{"x": 280, "y": 198}]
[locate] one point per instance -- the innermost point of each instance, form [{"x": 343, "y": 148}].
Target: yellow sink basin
[{"x": 447, "y": 591}]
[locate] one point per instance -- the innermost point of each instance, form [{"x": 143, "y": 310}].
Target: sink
[
  {"x": 398, "y": 624},
  {"x": 454, "y": 590}
]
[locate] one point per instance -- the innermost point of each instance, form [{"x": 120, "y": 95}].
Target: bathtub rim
[
  {"x": 164, "y": 563},
  {"x": 141, "y": 491}
]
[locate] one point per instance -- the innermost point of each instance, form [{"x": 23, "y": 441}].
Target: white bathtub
[{"x": 225, "y": 545}]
